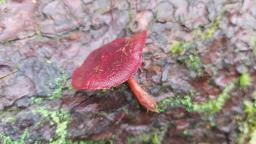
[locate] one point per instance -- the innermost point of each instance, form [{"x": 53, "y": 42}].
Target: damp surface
[{"x": 199, "y": 63}]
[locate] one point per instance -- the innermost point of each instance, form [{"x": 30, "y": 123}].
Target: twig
[{"x": 12, "y": 72}]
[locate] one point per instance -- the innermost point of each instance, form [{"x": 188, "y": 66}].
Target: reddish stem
[{"x": 145, "y": 99}]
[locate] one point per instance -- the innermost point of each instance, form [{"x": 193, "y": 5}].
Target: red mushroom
[
  {"x": 113, "y": 64},
  {"x": 116, "y": 63}
]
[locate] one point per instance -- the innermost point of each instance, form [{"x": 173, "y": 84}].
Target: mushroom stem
[{"x": 144, "y": 98}]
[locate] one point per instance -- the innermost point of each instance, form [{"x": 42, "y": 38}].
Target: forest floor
[{"x": 199, "y": 63}]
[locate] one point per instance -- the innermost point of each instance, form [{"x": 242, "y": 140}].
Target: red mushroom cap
[{"x": 110, "y": 65}]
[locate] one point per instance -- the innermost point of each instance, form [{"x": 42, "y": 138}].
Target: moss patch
[
  {"x": 245, "y": 80},
  {"x": 8, "y": 140},
  {"x": 210, "y": 107},
  {"x": 179, "y": 47},
  {"x": 253, "y": 44},
  {"x": 193, "y": 62},
  {"x": 2, "y": 1},
  {"x": 248, "y": 127},
  {"x": 61, "y": 85},
  {"x": 61, "y": 119},
  {"x": 188, "y": 55},
  {"x": 153, "y": 138},
  {"x": 205, "y": 33},
  {"x": 8, "y": 115},
  {"x": 90, "y": 142},
  {"x": 214, "y": 105}
]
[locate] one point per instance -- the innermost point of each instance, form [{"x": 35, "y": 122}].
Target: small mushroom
[{"x": 113, "y": 64}]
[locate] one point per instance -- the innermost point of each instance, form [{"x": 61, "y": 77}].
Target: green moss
[
  {"x": 8, "y": 140},
  {"x": 245, "y": 80},
  {"x": 186, "y": 132},
  {"x": 38, "y": 100},
  {"x": 194, "y": 63},
  {"x": 130, "y": 14},
  {"x": 90, "y": 142},
  {"x": 253, "y": 44},
  {"x": 187, "y": 55},
  {"x": 125, "y": 109},
  {"x": 179, "y": 47},
  {"x": 206, "y": 33},
  {"x": 10, "y": 119},
  {"x": 61, "y": 131},
  {"x": 61, "y": 84},
  {"x": 214, "y": 105},
  {"x": 61, "y": 119},
  {"x": 8, "y": 115},
  {"x": 210, "y": 107},
  {"x": 248, "y": 127},
  {"x": 2, "y": 1},
  {"x": 153, "y": 138},
  {"x": 254, "y": 94},
  {"x": 106, "y": 92},
  {"x": 49, "y": 61},
  {"x": 185, "y": 101},
  {"x": 39, "y": 34}
]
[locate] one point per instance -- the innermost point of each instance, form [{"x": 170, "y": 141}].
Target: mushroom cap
[{"x": 110, "y": 65}]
